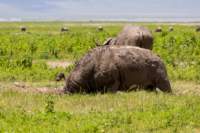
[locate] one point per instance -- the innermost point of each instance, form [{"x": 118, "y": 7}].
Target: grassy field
[
  {"x": 28, "y": 103},
  {"x": 121, "y": 112},
  {"x": 23, "y": 56}
]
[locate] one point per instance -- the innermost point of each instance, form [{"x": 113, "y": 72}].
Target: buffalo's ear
[{"x": 108, "y": 41}]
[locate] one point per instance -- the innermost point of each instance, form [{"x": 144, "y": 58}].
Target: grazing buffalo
[
  {"x": 198, "y": 29},
  {"x": 158, "y": 29},
  {"x": 64, "y": 29},
  {"x": 171, "y": 29},
  {"x": 117, "y": 68},
  {"x": 23, "y": 29},
  {"x": 134, "y": 36}
]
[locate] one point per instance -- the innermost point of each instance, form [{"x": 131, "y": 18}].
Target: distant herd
[
  {"x": 100, "y": 28},
  {"x": 121, "y": 63}
]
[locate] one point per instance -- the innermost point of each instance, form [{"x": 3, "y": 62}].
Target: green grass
[
  {"x": 122, "y": 112},
  {"x": 23, "y": 57},
  {"x": 179, "y": 49}
]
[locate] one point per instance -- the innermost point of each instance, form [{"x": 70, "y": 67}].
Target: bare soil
[{"x": 63, "y": 64}]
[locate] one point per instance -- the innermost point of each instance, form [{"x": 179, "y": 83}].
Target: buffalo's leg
[
  {"x": 114, "y": 87},
  {"x": 150, "y": 88}
]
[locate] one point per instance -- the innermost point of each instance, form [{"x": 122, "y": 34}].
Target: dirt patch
[
  {"x": 186, "y": 88},
  {"x": 46, "y": 90},
  {"x": 63, "y": 64},
  {"x": 55, "y": 64},
  {"x": 26, "y": 88}
]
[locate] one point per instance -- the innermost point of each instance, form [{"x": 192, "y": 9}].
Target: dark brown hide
[
  {"x": 113, "y": 68},
  {"x": 23, "y": 29}
]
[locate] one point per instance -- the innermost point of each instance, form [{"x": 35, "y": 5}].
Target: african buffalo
[
  {"x": 158, "y": 29},
  {"x": 134, "y": 36},
  {"x": 171, "y": 29},
  {"x": 117, "y": 68},
  {"x": 23, "y": 29},
  {"x": 198, "y": 29},
  {"x": 64, "y": 29}
]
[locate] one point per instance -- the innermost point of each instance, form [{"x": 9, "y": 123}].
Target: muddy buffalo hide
[
  {"x": 117, "y": 68},
  {"x": 133, "y": 36}
]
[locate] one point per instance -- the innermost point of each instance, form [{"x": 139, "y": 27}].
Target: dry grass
[
  {"x": 178, "y": 87},
  {"x": 186, "y": 88}
]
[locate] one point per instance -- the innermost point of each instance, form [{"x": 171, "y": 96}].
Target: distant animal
[
  {"x": 64, "y": 29},
  {"x": 134, "y": 36},
  {"x": 60, "y": 76},
  {"x": 117, "y": 68},
  {"x": 198, "y": 29},
  {"x": 23, "y": 28},
  {"x": 171, "y": 29},
  {"x": 158, "y": 29},
  {"x": 100, "y": 28}
]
